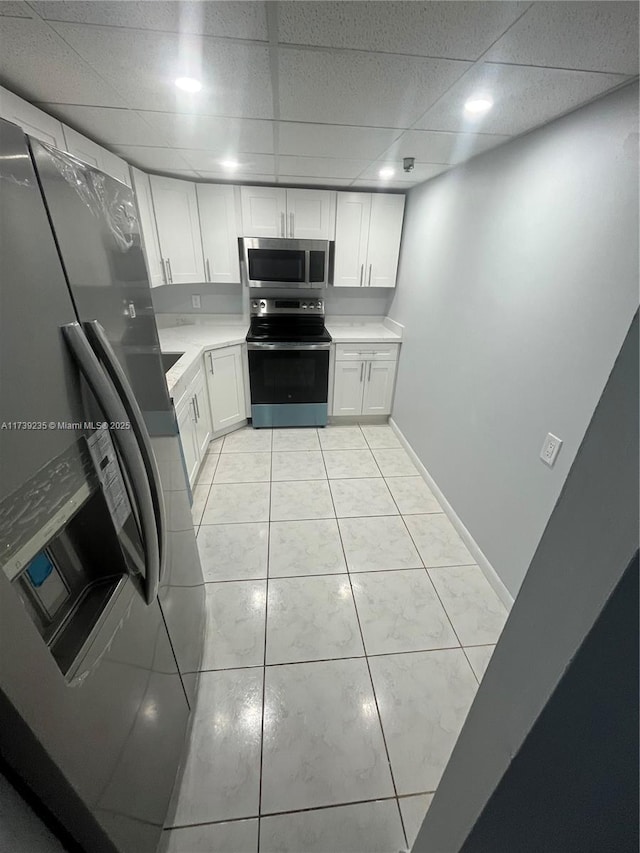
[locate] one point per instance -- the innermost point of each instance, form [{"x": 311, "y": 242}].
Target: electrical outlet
[
  {"x": 195, "y": 300},
  {"x": 550, "y": 449}
]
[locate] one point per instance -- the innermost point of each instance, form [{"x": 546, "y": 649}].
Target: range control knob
[
  {"x": 304, "y": 304},
  {"x": 318, "y": 304},
  {"x": 254, "y": 304},
  {"x": 263, "y": 304}
]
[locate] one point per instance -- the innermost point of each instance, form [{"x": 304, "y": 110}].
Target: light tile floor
[{"x": 348, "y": 629}]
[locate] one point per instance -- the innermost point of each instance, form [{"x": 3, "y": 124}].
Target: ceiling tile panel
[
  {"x": 38, "y": 64},
  {"x": 441, "y": 147},
  {"x": 330, "y": 140},
  {"x": 459, "y": 30},
  {"x": 321, "y": 167},
  {"x": 523, "y": 97},
  {"x": 208, "y": 162},
  {"x": 307, "y": 181},
  {"x": 238, "y": 179},
  {"x": 245, "y": 20},
  {"x": 117, "y": 126},
  {"x": 224, "y": 136},
  {"x": 381, "y": 186},
  {"x": 158, "y": 159},
  {"x": 592, "y": 36},
  {"x": 421, "y": 172},
  {"x": 15, "y": 10},
  {"x": 143, "y": 66},
  {"x": 371, "y": 89}
]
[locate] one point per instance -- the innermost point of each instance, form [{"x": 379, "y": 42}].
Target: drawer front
[{"x": 368, "y": 352}]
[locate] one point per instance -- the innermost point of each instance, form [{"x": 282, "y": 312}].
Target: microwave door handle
[
  {"x": 98, "y": 337},
  {"x": 125, "y": 441}
]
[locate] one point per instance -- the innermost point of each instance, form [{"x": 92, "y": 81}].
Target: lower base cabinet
[
  {"x": 363, "y": 387},
  {"x": 225, "y": 379},
  {"x": 194, "y": 422}
]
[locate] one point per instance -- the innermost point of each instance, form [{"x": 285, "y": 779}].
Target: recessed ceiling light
[
  {"x": 387, "y": 172},
  {"x": 188, "y": 84},
  {"x": 229, "y": 164},
  {"x": 478, "y": 104}
]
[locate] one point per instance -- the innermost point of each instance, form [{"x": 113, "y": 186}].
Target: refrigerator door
[
  {"x": 95, "y": 221},
  {"x": 93, "y": 715}
]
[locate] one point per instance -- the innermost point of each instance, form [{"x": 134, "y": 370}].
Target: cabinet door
[
  {"x": 32, "y": 120},
  {"x": 309, "y": 214},
  {"x": 176, "y": 210},
  {"x": 352, "y": 234},
  {"x": 347, "y": 387},
  {"x": 226, "y": 386},
  {"x": 203, "y": 413},
  {"x": 90, "y": 152},
  {"x": 217, "y": 208},
  {"x": 115, "y": 166},
  {"x": 146, "y": 216},
  {"x": 385, "y": 230},
  {"x": 186, "y": 424},
  {"x": 378, "y": 387},
  {"x": 264, "y": 211}
]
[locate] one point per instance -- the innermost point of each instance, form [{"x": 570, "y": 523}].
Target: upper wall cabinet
[
  {"x": 292, "y": 213},
  {"x": 32, "y": 120},
  {"x": 176, "y": 208},
  {"x": 95, "y": 155},
  {"x": 217, "y": 208},
  {"x": 149, "y": 234},
  {"x": 368, "y": 232}
]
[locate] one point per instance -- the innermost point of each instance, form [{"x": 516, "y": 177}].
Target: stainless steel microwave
[{"x": 275, "y": 262}]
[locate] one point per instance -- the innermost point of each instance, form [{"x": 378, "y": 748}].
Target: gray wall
[
  {"x": 590, "y": 540},
  {"x": 517, "y": 283}
]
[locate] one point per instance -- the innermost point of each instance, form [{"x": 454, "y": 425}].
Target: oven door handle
[{"x": 292, "y": 345}]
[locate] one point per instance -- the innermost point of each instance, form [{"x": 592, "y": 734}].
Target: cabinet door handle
[
  {"x": 370, "y": 268},
  {"x": 193, "y": 411},
  {"x": 291, "y": 229},
  {"x": 210, "y": 362},
  {"x": 169, "y": 268},
  {"x": 361, "y": 371},
  {"x": 369, "y": 376},
  {"x": 282, "y": 231},
  {"x": 165, "y": 271},
  {"x": 197, "y": 404},
  {"x": 208, "y": 271},
  {"x": 361, "y": 274}
]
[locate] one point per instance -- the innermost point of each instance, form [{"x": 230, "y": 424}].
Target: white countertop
[{"x": 194, "y": 339}]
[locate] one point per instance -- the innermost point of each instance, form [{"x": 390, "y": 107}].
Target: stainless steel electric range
[{"x": 288, "y": 347}]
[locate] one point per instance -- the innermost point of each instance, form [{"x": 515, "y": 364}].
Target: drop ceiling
[{"x": 312, "y": 93}]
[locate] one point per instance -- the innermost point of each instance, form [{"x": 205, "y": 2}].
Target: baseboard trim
[{"x": 487, "y": 569}]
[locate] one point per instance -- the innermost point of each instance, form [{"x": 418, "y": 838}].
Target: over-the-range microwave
[{"x": 276, "y": 262}]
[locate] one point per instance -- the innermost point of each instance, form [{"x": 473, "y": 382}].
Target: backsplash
[{"x": 233, "y": 299}]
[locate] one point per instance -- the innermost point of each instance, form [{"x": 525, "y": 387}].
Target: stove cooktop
[{"x": 282, "y": 329}]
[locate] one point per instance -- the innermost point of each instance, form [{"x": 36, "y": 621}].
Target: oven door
[{"x": 286, "y": 373}]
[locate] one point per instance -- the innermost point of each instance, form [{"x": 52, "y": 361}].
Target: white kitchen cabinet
[
  {"x": 186, "y": 417},
  {"x": 310, "y": 214},
  {"x": 176, "y": 209},
  {"x": 353, "y": 214},
  {"x": 32, "y": 120},
  {"x": 148, "y": 231},
  {"x": 347, "y": 388},
  {"x": 217, "y": 209},
  {"x": 378, "y": 387},
  {"x": 202, "y": 411},
  {"x": 194, "y": 422},
  {"x": 293, "y": 213},
  {"x": 368, "y": 233},
  {"x": 95, "y": 155},
  {"x": 385, "y": 231},
  {"x": 264, "y": 211},
  {"x": 364, "y": 379},
  {"x": 226, "y": 386}
]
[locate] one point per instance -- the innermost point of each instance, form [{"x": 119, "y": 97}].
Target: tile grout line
[{"x": 366, "y": 658}]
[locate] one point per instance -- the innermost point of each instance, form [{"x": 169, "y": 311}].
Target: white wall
[{"x": 517, "y": 284}]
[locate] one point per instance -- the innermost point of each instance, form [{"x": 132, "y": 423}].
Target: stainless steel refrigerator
[{"x": 101, "y": 590}]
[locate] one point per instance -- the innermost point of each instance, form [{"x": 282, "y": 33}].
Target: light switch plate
[
  {"x": 195, "y": 300},
  {"x": 550, "y": 449}
]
